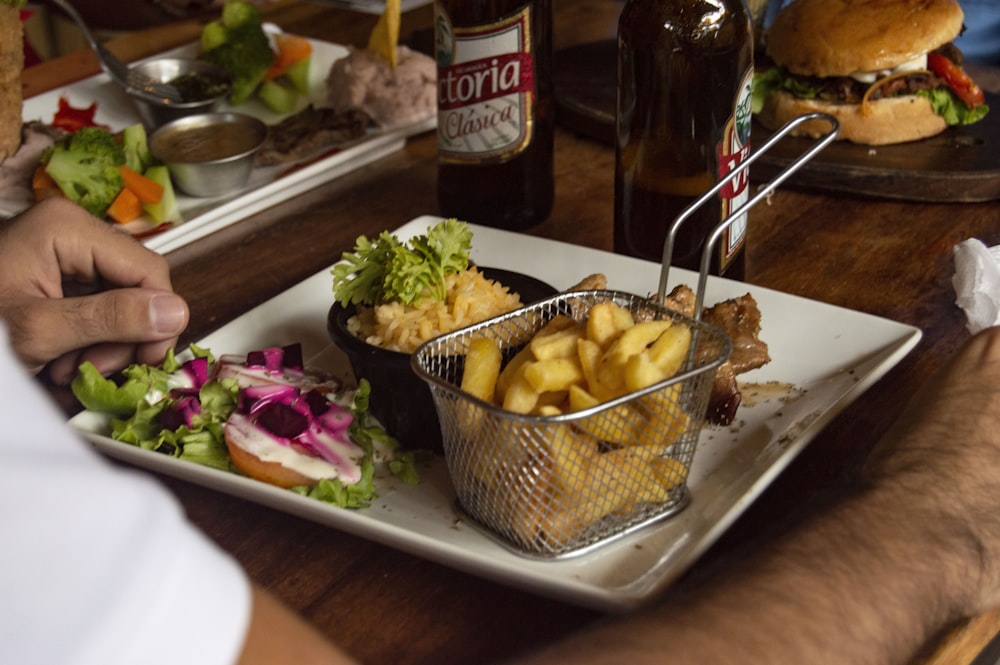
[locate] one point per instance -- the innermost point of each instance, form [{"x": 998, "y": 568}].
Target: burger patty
[{"x": 846, "y": 90}]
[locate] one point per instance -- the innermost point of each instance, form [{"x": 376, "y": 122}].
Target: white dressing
[
  {"x": 916, "y": 64},
  {"x": 268, "y": 448}
]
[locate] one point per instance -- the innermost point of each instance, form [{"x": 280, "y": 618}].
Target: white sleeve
[{"x": 98, "y": 563}]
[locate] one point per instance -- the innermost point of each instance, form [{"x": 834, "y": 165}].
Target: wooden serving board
[{"x": 962, "y": 164}]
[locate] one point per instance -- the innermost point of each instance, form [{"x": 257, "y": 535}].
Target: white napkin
[{"x": 977, "y": 283}]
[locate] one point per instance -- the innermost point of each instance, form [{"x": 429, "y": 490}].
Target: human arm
[
  {"x": 279, "y": 635},
  {"x": 99, "y": 564},
  {"x": 909, "y": 549},
  {"x": 73, "y": 288}
]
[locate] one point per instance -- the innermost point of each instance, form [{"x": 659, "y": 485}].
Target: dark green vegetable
[
  {"x": 85, "y": 166},
  {"x": 237, "y": 43}
]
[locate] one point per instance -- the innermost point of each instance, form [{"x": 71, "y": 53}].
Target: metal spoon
[{"x": 120, "y": 72}]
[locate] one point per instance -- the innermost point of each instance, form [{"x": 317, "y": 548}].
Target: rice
[{"x": 471, "y": 298}]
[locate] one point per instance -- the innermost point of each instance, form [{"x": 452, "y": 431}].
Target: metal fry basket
[
  {"x": 550, "y": 486},
  {"x": 553, "y": 485}
]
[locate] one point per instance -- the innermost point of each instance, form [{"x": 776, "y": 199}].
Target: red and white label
[{"x": 486, "y": 89}]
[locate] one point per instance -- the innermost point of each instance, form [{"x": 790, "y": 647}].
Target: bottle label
[
  {"x": 733, "y": 150},
  {"x": 486, "y": 88}
]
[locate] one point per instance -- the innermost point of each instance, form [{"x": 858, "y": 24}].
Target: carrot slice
[
  {"x": 291, "y": 49},
  {"x": 147, "y": 191},
  {"x": 42, "y": 184},
  {"x": 125, "y": 207}
]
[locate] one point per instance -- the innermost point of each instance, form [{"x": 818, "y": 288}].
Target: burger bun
[
  {"x": 843, "y": 37},
  {"x": 878, "y": 122}
]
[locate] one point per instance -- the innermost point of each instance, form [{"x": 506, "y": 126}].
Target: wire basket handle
[{"x": 770, "y": 186}]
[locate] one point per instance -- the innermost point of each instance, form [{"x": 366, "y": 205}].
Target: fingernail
[{"x": 167, "y": 313}]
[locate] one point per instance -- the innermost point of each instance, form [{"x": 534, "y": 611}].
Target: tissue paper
[{"x": 977, "y": 283}]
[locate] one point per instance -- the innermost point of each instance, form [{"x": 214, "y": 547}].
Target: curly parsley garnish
[{"x": 388, "y": 270}]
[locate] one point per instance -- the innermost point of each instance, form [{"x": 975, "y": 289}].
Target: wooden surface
[
  {"x": 925, "y": 170},
  {"x": 889, "y": 258}
]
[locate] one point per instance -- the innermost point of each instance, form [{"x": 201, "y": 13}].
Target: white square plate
[
  {"x": 267, "y": 186},
  {"x": 823, "y": 358}
]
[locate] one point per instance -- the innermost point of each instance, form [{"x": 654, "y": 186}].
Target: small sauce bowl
[
  {"x": 202, "y": 84},
  {"x": 210, "y": 154}
]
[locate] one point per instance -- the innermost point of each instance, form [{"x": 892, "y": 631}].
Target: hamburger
[{"x": 886, "y": 69}]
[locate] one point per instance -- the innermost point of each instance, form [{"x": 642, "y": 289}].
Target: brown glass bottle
[
  {"x": 495, "y": 110},
  {"x": 683, "y": 122}
]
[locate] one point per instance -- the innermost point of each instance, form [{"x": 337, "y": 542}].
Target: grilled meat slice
[
  {"x": 310, "y": 131},
  {"x": 739, "y": 318}
]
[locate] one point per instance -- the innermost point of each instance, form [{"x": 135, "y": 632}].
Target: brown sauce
[{"x": 205, "y": 144}]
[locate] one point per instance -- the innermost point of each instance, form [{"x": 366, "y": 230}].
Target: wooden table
[{"x": 892, "y": 259}]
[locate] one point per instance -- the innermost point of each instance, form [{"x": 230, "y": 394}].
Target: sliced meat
[
  {"x": 311, "y": 131},
  {"x": 595, "y": 282},
  {"x": 681, "y": 300},
  {"x": 739, "y": 318}
]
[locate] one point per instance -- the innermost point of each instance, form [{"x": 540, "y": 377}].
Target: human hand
[
  {"x": 72, "y": 288},
  {"x": 942, "y": 462}
]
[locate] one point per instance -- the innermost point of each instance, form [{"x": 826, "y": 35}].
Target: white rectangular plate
[
  {"x": 267, "y": 186},
  {"x": 824, "y": 357}
]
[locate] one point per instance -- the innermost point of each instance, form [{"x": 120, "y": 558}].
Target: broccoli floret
[
  {"x": 85, "y": 166},
  {"x": 237, "y": 13},
  {"x": 237, "y": 43}
]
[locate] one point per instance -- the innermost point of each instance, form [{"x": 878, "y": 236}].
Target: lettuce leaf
[
  {"x": 775, "y": 79},
  {"x": 97, "y": 393},
  {"x": 954, "y": 111}
]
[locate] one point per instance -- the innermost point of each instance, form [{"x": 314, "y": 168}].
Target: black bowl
[{"x": 400, "y": 399}]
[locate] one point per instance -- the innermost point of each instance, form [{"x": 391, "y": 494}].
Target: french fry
[
  {"x": 556, "y": 374},
  {"x": 641, "y": 372},
  {"x": 521, "y": 396},
  {"x": 621, "y": 425},
  {"x": 606, "y": 321},
  {"x": 634, "y": 340},
  {"x": 510, "y": 371},
  {"x": 556, "y": 398},
  {"x": 670, "y": 349},
  {"x": 673, "y": 419},
  {"x": 491, "y": 459},
  {"x": 589, "y": 352},
  {"x": 559, "y": 344},
  {"x": 482, "y": 368},
  {"x": 555, "y": 324},
  {"x": 628, "y": 477}
]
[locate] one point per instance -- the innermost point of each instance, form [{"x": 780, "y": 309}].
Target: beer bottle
[
  {"x": 683, "y": 122},
  {"x": 495, "y": 110}
]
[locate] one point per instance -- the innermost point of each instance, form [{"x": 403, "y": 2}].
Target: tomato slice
[
  {"x": 956, "y": 78},
  {"x": 71, "y": 118}
]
